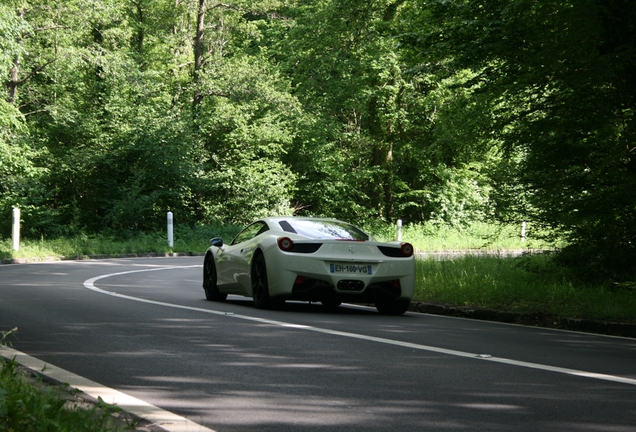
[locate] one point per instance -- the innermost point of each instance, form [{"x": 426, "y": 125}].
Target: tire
[
  {"x": 392, "y": 306},
  {"x": 331, "y": 304},
  {"x": 210, "y": 287},
  {"x": 260, "y": 285}
]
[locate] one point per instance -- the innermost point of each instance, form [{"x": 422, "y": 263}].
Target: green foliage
[
  {"x": 12, "y": 26},
  {"x": 25, "y": 408},
  {"x": 348, "y": 78},
  {"x": 369, "y": 148},
  {"x": 250, "y": 190},
  {"x": 475, "y": 237},
  {"x": 248, "y": 120},
  {"x": 554, "y": 86},
  {"x": 116, "y": 143},
  {"x": 425, "y": 237},
  {"x": 186, "y": 240},
  {"x": 444, "y": 112},
  {"x": 531, "y": 283},
  {"x": 329, "y": 125},
  {"x": 16, "y": 155}
]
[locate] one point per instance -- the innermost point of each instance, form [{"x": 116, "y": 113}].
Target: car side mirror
[{"x": 216, "y": 241}]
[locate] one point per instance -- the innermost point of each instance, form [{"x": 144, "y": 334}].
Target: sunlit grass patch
[
  {"x": 530, "y": 283},
  {"x": 186, "y": 239},
  {"x": 478, "y": 235}
]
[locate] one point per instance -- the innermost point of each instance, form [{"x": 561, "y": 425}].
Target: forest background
[{"x": 440, "y": 112}]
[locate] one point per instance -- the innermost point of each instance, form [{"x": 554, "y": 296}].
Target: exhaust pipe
[{"x": 350, "y": 285}]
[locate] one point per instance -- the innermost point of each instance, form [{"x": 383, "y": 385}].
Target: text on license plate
[{"x": 350, "y": 268}]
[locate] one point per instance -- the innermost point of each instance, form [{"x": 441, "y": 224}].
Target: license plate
[{"x": 351, "y": 268}]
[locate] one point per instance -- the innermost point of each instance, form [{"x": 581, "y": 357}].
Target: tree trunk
[
  {"x": 14, "y": 73},
  {"x": 198, "y": 54}
]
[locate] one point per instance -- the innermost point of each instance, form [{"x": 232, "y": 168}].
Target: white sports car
[{"x": 310, "y": 259}]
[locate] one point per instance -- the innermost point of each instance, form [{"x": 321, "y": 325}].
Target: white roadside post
[
  {"x": 399, "y": 230},
  {"x": 523, "y": 231},
  {"x": 16, "y": 229},
  {"x": 170, "y": 230}
]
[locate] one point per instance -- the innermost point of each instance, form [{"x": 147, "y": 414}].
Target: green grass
[
  {"x": 478, "y": 235},
  {"x": 185, "y": 240},
  {"x": 531, "y": 283},
  {"x": 25, "y": 408}
]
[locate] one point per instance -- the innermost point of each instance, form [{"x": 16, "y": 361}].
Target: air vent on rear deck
[
  {"x": 306, "y": 247},
  {"x": 393, "y": 252}
]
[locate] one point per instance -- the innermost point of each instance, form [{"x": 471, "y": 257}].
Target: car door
[{"x": 237, "y": 258}]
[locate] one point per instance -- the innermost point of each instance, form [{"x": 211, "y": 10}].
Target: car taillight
[
  {"x": 285, "y": 244},
  {"x": 407, "y": 249}
]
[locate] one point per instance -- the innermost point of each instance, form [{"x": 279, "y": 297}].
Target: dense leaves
[
  {"x": 556, "y": 82},
  {"x": 118, "y": 111}
]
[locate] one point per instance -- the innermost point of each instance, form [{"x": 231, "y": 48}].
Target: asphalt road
[{"x": 231, "y": 367}]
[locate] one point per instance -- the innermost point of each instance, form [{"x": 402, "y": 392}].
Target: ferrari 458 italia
[{"x": 309, "y": 259}]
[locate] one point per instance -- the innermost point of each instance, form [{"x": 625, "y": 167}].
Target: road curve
[{"x": 142, "y": 327}]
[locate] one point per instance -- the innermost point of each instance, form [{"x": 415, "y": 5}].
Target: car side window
[{"x": 250, "y": 232}]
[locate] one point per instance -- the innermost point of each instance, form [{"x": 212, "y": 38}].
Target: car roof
[{"x": 276, "y": 219}]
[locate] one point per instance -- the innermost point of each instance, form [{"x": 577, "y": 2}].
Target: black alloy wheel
[
  {"x": 331, "y": 303},
  {"x": 260, "y": 285},
  {"x": 210, "y": 287},
  {"x": 392, "y": 306}
]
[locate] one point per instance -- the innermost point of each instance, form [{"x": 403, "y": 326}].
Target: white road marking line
[
  {"x": 90, "y": 284},
  {"x": 157, "y": 416}
]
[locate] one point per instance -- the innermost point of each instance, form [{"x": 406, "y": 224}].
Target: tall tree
[
  {"x": 556, "y": 84},
  {"x": 244, "y": 113},
  {"x": 368, "y": 148},
  {"x": 108, "y": 89},
  {"x": 18, "y": 174}
]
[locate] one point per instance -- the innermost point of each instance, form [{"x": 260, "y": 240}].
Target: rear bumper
[
  {"x": 390, "y": 278},
  {"x": 316, "y": 290}
]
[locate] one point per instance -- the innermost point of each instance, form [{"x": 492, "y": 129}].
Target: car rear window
[{"x": 323, "y": 229}]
